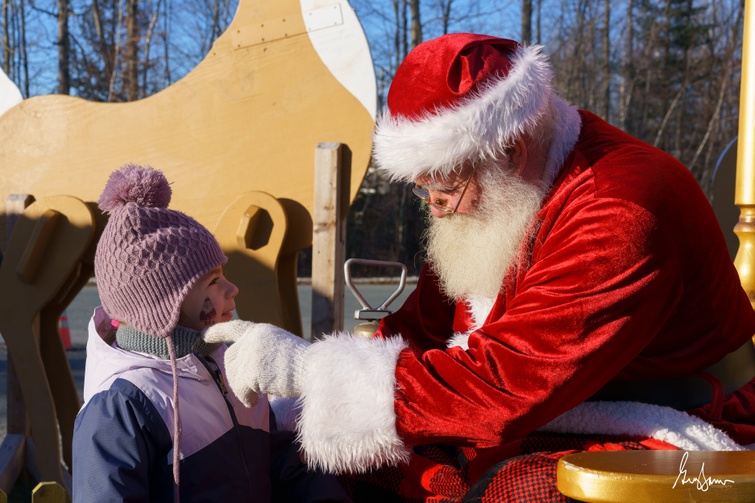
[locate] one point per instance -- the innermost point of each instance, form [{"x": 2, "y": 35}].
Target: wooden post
[{"x": 329, "y": 238}]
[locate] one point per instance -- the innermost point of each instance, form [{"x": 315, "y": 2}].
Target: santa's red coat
[{"x": 627, "y": 277}]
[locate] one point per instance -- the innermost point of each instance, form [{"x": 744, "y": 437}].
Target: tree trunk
[
  {"x": 23, "y": 51},
  {"x": 215, "y": 20},
  {"x": 526, "y": 22},
  {"x": 628, "y": 73},
  {"x": 397, "y": 37},
  {"x": 132, "y": 51},
  {"x": 606, "y": 59},
  {"x": 7, "y": 54},
  {"x": 404, "y": 30},
  {"x": 153, "y": 19},
  {"x": 64, "y": 49},
  {"x": 445, "y": 14},
  {"x": 416, "y": 24}
]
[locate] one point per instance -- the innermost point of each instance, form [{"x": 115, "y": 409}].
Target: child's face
[{"x": 209, "y": 301}]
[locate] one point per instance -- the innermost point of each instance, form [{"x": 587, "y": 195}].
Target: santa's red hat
[{"x": 460, "y": 97}]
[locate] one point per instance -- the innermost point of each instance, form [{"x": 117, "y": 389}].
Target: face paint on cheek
[{"x": 208, "y": 314}]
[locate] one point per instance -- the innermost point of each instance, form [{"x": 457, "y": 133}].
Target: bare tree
[
  {"x": 7, "y": 53},
  {"x": 6, "y": 37},
  {"x": 149, "y": 34},
  {"x": 526, "y": 22},
  {"x": 133, "y": 37},
  {"x": 626, "y": 76},
  {"x": 23, "y": 47},
  {"x": 607, "y": 59},
  {"x": 444, "y": 7},
  {"x": 64, "y": 49},
  {"x": 416, "y": 23}
]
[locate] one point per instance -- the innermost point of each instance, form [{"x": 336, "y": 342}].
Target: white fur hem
[
  {"x": 633, "y": 418},
  {"x": 348, "y": 421}
]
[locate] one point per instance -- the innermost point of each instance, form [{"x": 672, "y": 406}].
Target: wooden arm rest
[{"x": 667, "y": 476}]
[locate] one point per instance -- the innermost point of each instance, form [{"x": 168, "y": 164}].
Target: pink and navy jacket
[{"x": 123, "y": 448}]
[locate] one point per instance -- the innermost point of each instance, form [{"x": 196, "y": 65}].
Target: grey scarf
[{"x": 185, "y": 340}]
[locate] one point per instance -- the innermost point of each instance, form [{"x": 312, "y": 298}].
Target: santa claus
[{"x": 577, "y": 294}]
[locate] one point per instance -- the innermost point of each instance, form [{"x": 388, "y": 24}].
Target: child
[{"x": 158, "y": 421}]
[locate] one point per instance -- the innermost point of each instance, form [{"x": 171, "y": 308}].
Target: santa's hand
[{"x": 263, "y": 359}]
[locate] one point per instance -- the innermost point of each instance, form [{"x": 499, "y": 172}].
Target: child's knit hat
[{"x": 149, "y": 257}]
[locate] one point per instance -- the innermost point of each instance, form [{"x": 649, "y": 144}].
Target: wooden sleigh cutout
[
  {"x": 284, "y": 77},
  {"x": 237, "y": 137}
]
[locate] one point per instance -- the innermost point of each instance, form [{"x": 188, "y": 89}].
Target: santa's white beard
[{"x": 471, "y": 253}]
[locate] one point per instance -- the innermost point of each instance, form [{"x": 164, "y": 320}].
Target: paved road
[{"x": 81, "y": 308}]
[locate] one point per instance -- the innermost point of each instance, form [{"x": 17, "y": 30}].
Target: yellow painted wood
[
  {"x": 247, "y": 118},
  {"x": 28, "y": 310},
  {"x": 62, "y": 384},
  {"x": 53, "y": 353},
  {"x": 744, "y": 194},
  {"x": 16, "y": 418},
  {"x": 658, "y": 476},
  {"x": 254, "y": 232},
  {"x": 49, "y": 492},
  {"x": 35, "y": 247}
]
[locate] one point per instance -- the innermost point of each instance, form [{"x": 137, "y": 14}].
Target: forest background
[{"x": 666, "y": 71}]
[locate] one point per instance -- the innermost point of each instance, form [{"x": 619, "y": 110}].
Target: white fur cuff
[{"x": 348, "y": 422}]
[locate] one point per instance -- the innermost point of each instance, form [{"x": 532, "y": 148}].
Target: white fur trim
[
  {"x": 459, "y": 340},
  {"x": 633, "y": 418},
  {"x": 479, "y": 307},
  {"x": 348, "y": 421},
  {"x": 476, "y": 129},
  {"x": 567, "y": 125}
]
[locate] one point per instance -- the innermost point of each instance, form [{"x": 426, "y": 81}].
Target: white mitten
[{"x": 262, "y": 359}]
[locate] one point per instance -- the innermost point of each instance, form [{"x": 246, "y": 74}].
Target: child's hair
[
  {"x": 149, "y": 257},
  {"x": 147, "y": 260}
]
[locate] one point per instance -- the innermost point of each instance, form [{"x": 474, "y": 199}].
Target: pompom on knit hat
[
  {"x": 457, "y": 98},
  {"x": 149, "y": 256}
]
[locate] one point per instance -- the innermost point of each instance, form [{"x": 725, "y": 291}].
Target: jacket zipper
[{"x": 214, "y": 370}]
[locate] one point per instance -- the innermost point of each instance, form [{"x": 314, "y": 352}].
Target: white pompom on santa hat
[{"x": 461, "y": 97}]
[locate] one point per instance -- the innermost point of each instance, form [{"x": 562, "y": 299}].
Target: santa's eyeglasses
[{"x": 439, "y": 202}]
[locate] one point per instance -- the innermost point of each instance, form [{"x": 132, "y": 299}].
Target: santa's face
[
  {"x": 455, "y": 193},
  {"x": 472, "y": 249}
]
